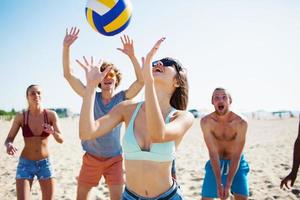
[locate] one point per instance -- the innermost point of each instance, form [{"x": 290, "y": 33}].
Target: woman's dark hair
[{"x": 180, "y": 96}]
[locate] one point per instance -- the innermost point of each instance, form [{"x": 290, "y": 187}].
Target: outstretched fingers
[{"x": 85, "y": 67}]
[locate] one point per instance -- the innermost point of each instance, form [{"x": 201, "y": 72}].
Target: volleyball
[{"x": 108, "y": 17}]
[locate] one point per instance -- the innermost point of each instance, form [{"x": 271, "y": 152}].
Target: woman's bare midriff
[
  {"x": 36, "y": 148},
  {"x": 148, "y": 178}
]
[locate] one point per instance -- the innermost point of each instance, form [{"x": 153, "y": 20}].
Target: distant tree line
[
  {"x": 7, "y": 115},
  {"x": 61, "y": 112}
]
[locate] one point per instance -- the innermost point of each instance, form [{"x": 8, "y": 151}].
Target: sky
[{"x": 251, "y": 48}]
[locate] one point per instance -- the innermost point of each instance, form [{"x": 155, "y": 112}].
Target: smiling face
[
  {"x": 34, "y": 95},
  {"x": 221, "y": 100},
  {"x": 112, "y": 79},
  {"x": 171, "y": 77}
]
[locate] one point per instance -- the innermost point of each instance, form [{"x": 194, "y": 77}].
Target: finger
[
  {"x": 292, "y": 183},
  {"x": 127, "y": 39},
  {"x": 92, "y": 60},
  {"x": 143, "y": 62},
  {"x": 131, "y": 42},
  {"x": 105, "y": 72},
  {"x": 100, "y": 63},
  {"x": 286, "y": 185},
  {"x": 122, "y": 40},
  {"x": 119, "y": 49},
  {"x": 85, "y": 60},
  {"x": 71, "y": 31},
  {"x": 281, "y": 184},
  {"x": 66, "y": 31},
  {"x": 78, "y": 30},
  {"x": 81, "y": 65},
  {"x": 158, "y": 43},
  {"x": 74, "y": 31}
]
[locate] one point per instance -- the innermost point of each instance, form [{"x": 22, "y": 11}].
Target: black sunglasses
[{"x": 168, "y": 62}]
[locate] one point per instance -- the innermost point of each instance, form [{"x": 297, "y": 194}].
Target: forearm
[
  {"x": 155, "y": 121},
  {"x": 66, "y": 62},
  {"x": 58, "y": 137},
  {"x": 296, "y": 157},
  {"x": 234, "y": 164},
  {"x": 86, "y": 119},
  {"x": 215, "y": 164},
  {"x": 137, "y": 69}
]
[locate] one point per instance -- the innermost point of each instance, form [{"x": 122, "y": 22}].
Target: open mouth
[
  {"x": 220, "y": 107},
  {"x": 109, "y": 82},
  {"x": 157, "y": 69}
]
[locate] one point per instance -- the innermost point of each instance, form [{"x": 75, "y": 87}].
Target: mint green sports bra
[{"x": 159, "y": 152}]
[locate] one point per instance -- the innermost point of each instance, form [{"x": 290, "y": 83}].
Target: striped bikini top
[
  {"x": 26, "y": 129},
  {"x": 159, "y": 152}
]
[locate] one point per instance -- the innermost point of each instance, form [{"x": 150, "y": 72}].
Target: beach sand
[{"x": 268, "y": 150}]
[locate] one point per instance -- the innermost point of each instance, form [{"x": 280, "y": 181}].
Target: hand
[
  {"x": 220, "y": 190},
  {"x": 48, "y": 128},
  {"x": 128, "y": 48},
  {"x": 71, "y": 36},
  {"x": 10, "y": 149},
  {"x": 92, "y": 72},
  {"x": 146, "y": 62},
  {"x": 290, "y": 178},
  {"x": 226, "y": 191}
]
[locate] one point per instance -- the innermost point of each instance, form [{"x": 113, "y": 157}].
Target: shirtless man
[{"x": 224, "y": 134}]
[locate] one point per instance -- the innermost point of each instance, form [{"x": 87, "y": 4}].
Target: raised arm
[
  {"x": 89, "y": 128},
  {"x": 291, "y": 177},
  {"x": 213, "y": 153},
  {"x": 54, "y": 128},
  {"x": 159, "y": 131},
  {"x": 17, "y": 123},
  {"x": 137, "y": 85},
  {"x": 74, "y": 82}
]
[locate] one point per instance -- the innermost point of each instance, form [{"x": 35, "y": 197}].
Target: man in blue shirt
[{"x": 103, "y": 155}]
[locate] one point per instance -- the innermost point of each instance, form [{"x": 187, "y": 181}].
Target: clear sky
[{"x": 251, "y": 48}]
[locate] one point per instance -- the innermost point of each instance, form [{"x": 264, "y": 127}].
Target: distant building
[{"x": 62, "y": 112}]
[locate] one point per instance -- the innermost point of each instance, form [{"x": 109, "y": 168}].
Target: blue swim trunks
[
  {"x": 27, "y": 169},
  {"x": 240, "y": 183},
  {"x": 174, "y": 193}
]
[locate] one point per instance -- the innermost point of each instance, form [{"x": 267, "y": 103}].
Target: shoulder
[
  {"x": 120, "y": 95},
  {"x": 52, "y": 115},
  {"x": 240, "y": 122},
  {"x": 19, "y": 117},
  {"x": 184, "y": 115},
  {"x": 206, "y": 120},
  {"x": 124, "y": 106}
]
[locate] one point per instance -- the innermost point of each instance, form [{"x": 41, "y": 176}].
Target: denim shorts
[
  {"x": 27, "y": 169},
  {"x": 174, "y": 193}
]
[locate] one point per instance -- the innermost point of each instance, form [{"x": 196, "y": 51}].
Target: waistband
[
  {"x": 165, "y": 196},
  {"x": 34, "y": 161}
]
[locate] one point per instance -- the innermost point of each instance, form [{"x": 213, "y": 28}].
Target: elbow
[
  {"x": 158, "y": 136},
  {"x": 83, "y": 135},
  {"x": 67, "y": 76}
]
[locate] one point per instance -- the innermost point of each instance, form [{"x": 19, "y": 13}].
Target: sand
[{"x": 268, "y": 150}]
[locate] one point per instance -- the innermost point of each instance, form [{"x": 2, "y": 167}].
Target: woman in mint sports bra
[
  {"x": 154, "y": 127},
  {"x": 37, "y": 125}
]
